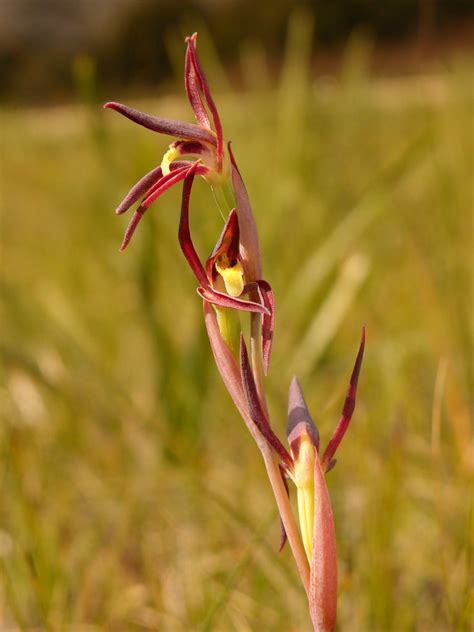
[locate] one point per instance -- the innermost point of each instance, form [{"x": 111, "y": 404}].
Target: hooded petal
[
  {"x": 228, "y": 242},
  {"x": 347, "y": 410},
  {"x": 178, "y": 129}
]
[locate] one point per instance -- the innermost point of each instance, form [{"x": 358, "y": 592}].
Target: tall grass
[{"x": 131, "y": 496}]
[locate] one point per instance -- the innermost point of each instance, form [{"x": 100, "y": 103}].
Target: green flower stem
[{"x": 230, "y": 327}]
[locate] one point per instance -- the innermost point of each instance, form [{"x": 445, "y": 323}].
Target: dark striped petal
[
  {"x": 144, "y": 185},
  {"x": 139, "y": 189},
  {"x": 160, "y": 187},
  {"x": 347, "y": 410},
  {"x": 268, "y": 321},
  {"x": 178, "y": 129},
  {"x": 204, "y": 87},
  {"x": 256, "y": 410},
  {"x": 132, "y": 227},
  {"x": 192, "y": 89},
  {"x": 184, "y": 233}
]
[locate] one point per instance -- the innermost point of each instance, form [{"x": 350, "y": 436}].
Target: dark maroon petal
[
  {"x": 190, "y": 147},
  {"x": 348, "y": 408},
  {"x": 299, "y": 419},
  {"x": 283, "y": 536},
  {"x": 192, "y": 89},
  {"x": 184, "y": 233},
  {"x": 204, "y": 86},
  {"x": 227, "y": 243},
  {"x": 164, "y": 184},
  {"x": 145, "y": 184},
  {"x": 330, "y": 465},
  {"x": 139, "y": 189},
  {"x": 132, "y": 227},
  {"x": 268, "y": 321},
  {"x": 210, "y": 295},
  {"x": 256, "y": 410},
  {"x": 178, "y": 129}
]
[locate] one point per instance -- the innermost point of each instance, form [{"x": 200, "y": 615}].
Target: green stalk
[{"x": 229, "y": 324}]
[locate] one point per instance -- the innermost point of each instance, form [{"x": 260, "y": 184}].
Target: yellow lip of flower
[
  {"x": 232, "y": 274},
  {"x": 303, "y": 438},
  {"x": 172, "y": 153},
  {"x": 201, "y": 150},
  {"x": 303, "y": 477}
]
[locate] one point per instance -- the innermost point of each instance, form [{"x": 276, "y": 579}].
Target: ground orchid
[{"x": 231, "y": 286}]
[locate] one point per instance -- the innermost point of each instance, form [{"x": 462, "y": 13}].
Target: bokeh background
[{"x": 131, "y": 496}]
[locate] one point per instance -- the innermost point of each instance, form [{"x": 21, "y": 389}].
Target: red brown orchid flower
[
  {"x": 223, "y": 280},
  {"x": 230, "y": 286},
  {"x": 199, "y": 141}
]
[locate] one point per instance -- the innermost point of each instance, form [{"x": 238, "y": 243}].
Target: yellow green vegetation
[{"x": 131, "y": 496}]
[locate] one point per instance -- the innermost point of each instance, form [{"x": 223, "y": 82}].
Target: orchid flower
[
  {"x": 222, "y": 280},
  {"x": 199, "y": 141},
  {"x": 231, "y": 285}
]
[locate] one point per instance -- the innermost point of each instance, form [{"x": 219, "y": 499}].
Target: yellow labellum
[
  {"x": 304, "y": 481},
  {"x": 228, "y": 321},
  {"x": 168, "y": 158},
  {"x": 232, "y": 275}
]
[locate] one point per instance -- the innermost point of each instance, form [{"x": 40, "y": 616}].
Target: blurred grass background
[{"x": 132, "y": 497}]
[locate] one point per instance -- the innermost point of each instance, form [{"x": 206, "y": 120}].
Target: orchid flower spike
[{"x": 231, "y": 286}]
